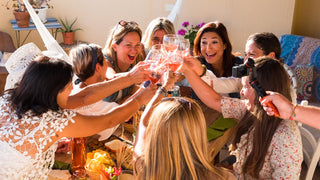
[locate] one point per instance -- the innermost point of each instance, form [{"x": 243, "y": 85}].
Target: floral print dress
[{"x": 284, "y": 156}]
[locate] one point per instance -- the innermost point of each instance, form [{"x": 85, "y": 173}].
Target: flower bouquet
[{"x": 190, "y": 32}]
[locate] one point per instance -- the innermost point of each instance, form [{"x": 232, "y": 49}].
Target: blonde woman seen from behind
[{"x": 172, "y": 141}]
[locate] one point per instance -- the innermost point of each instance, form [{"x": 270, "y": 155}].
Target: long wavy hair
[
  {"x": 38, "y": 89},
  {"x": 220, "y": 29},
  {"x": 176, "y": 143},
  {"x": 116, "y": 37},
  {"x": 160, "y": 23},
  {"x": 81, "y": 57},
  {"x": 272, "y": 77}
]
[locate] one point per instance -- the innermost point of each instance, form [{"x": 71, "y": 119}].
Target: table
[{"x": 52, "y": 23}]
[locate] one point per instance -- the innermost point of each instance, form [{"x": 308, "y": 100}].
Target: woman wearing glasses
[
  {"x": 123, "y": 52},
  {"x": 155, "y": 31},
  {"x": 171, "y": 143}
]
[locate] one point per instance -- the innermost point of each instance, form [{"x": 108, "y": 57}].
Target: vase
[
  {"x": 68, "y": 38},
  {"x": 42, "y": 13},
  {"x": 22, "y": 18}
]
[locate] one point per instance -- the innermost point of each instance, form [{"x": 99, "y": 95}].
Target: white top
[
  {"x": 98, "y": 108},
  {"x": 23, "y": 141},
  {"x": 223, "y": 84}
]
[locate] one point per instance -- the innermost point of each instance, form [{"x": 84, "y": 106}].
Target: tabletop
[{"x": 52, "y": 23}]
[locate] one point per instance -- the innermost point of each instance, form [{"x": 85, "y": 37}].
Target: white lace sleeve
[{"x": 31, "y": 137}]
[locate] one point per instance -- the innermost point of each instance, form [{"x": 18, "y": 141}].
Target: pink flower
[
  {"x": 182, "y": 32},
  {"x": 185, "y": 24},
  {"x": 201, "y": 24}
]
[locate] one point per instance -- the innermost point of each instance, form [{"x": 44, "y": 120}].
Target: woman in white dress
[{"x": 32, "y": 119}]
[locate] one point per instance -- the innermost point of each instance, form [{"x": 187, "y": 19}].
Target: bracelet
[
  {"x": 137, "y": 102},
  {"x": 163, "y": 91},
  {"x": 204, "y": 70},
  {"x": 293, "y": 114}
]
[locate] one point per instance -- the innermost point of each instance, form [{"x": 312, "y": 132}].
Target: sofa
[{"x": 302, "y": 54}]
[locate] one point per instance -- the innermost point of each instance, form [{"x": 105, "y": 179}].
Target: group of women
[{"x": 171, "y": 140}]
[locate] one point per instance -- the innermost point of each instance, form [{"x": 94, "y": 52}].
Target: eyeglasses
[
  {"x": 124, "y": 23},
  {"x": 183, "y": 102}
]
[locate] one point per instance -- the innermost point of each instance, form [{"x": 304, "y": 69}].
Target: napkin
[{"x": 217, "y": 128}]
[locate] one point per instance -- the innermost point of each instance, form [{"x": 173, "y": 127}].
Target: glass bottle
[{"x": 79, "y": 157}]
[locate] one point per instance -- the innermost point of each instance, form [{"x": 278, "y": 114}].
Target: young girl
[{"x": 266, "y": 147}]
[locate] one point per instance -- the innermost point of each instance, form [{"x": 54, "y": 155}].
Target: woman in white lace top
[{"x": 31, "y": 120}]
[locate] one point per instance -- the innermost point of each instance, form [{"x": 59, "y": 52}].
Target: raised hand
[
  {"x": 146, "y": 94},
  {"x": 139, "y": 72},
  {"x": 191, "y": 63},
  {"x": 283, "y": 105}
]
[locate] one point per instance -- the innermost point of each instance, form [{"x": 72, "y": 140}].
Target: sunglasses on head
[
  {"x": 183, "y": 102},
  {"x": 124, "y": 23}
]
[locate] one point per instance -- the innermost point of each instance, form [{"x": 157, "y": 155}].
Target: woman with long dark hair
[{"x": 265, "y": 147}]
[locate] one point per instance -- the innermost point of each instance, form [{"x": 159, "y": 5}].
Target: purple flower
[
  {"x": 201, "y": 24},
  {"x": 182, "y": 32},
  {"x": 185, "y": 24}
]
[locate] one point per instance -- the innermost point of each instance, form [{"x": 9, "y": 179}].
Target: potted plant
[
  {"x": 67, "y": 31},
  {"x": 41, "y": 7},
  {"x": 20, "y": 13}
]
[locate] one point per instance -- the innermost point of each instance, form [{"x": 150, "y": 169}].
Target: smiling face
[
  {"x": 129, "y": 48},
  {"x": 157, "y": 37},
  {"x": 212, "y": 47},
  {"x": 248, "y": 93},
  {"x": 252, "y": 50}
]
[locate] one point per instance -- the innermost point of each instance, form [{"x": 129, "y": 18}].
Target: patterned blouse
[{"x": 284, "y": 156}]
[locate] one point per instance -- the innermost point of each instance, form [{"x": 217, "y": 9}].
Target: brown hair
[
  {"x": 116, "y": 37},
  {"x": 221, "y": 30},
  {"x": 272, "y": 77}
]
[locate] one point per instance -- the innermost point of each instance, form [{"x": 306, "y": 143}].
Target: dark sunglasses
[{"x": 183, "y": 102}]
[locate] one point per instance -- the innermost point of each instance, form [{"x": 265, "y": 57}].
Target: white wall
[{"x": 97, "y": 17}]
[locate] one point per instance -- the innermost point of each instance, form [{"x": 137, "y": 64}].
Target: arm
[
  {"x": 138, "y": 146},
  {"x": 89, "y": 125},
  {"x": 98, "y": 91},
  {"x": 308, "y": 115},
  {"x": 222, "y": 85},
  {"x": 207, "y": 95}
]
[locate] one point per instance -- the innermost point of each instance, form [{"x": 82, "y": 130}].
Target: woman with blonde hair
[
  {"x": 171, "y": 141},
  {"x": 155, "y": 31},
  {"x": 123, "y": 52}
]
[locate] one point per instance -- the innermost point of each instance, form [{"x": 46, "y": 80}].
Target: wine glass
[
  {"x": 183, "y": 46},
  {"x": 170, "y": 42},
  {"x": 155, "y": 53}
]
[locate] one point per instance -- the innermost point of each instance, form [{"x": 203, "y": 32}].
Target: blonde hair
[
  {"x": 160, "y": 23},
  {"x": 81, "y": 57},
  {"x": 176, "y": 142},
  {"x": 116, "y": 36}
]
